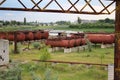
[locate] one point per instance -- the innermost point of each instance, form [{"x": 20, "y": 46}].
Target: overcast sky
[{"x": 50, "y": 17}]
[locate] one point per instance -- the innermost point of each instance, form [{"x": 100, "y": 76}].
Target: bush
[
  {"x": 45, "y": 55},
  {"x": 47, "y": 75},
  {"x": 12, "y": 73},
  {"x": 36, "y": 45},
  {"x": 92, "y": 25}
]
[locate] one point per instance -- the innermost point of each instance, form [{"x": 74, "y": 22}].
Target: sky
[{"x": 51, "y": 17}]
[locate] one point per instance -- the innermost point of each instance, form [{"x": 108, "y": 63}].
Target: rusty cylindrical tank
[
  {"x": 2, "y": 35},
  {"x": 10, "y": 36},
  {"x": 20, "y": 36},
  {"x": 101, "y": 38},
  {"x": 28, "y": 35},
  {"x": 44, "y": 34},
  {"x": 37, "y": 35}
]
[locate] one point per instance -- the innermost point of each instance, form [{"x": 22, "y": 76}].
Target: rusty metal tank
[
  {"x": 68, "y": 42},
  {"x": 37, "y": 35},
  {"x": 20, "y": 36},
  {"x": 79, "y": 41},
  {"x": 2, "y": 35},
  {"x": 28, "y": 35},
  {"x": 53, "y": 42},
  {"x": 44, "y": 34},
  {"x": 80, "y": 35},
  {"x": 10, "y": 36},
  {"x": 101, "y": 38},
  {"x": 83, "y": 42}
]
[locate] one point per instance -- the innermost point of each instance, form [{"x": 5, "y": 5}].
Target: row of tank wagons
[
  {"x": 67, "y": 42},
  {"x": 79, "y": 40},
  {"x": 41, "y": 34},
  {"x": 24, "y": 35}
]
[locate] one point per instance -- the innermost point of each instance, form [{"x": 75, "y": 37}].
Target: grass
[
  {"x": 65, "y": 71},
  {"x": 59, "y": 27},
  {"x": 94, "y": 56},
  {"x": 85, "y": 30},
  {"x": 19, "y": 28}
]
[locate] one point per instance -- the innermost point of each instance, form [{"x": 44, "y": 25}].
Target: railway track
[{"x": 69, "y": 62}]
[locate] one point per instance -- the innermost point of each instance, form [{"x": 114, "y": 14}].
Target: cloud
[{"x": 9, "y": 14}]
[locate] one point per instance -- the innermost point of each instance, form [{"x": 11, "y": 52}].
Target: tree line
[
  {"x": 106, "y": 23},
  {"x": 13, "y": 22}
]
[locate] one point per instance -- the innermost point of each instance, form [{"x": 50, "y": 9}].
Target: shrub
[
  {"x": 12, "y": 73},
  {"x": 92, "y": 25},
  {"x": 36, "y": 45},
  {"x": 45, "y": 55}
]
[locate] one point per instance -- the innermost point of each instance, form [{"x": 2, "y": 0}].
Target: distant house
[
  {"x": 88, "y": 21},
  {"x": 54, "y": 24}
]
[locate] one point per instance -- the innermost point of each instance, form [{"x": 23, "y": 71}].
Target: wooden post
[
  {"x": 15, "y": 43},
  {"x": 117, "y": 42}
]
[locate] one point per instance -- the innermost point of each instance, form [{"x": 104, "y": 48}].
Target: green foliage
[
  {"x": 45, "y": 55},
  {"x": 49, "y": 76},
  {"x": 36, "y": 45},
  {"x": 25, "y": 21},
  {"x": 96, "y": 74},
  {"x": 107, "y": 20},
  {"x": 89, "y": 44},
  {"x": 65, "y": 71},
  {"x": 12, "y": 73},
  {"x": 34, "y": 69},
  {"x": 92, "y": 25},
  {"x": 63, "y": 22},
  {"x": 18, "y": 49},
  {"x": 102, "y": 57},
  {"x": 34, "y": 76},
  {"x": 79, "y": 20}
]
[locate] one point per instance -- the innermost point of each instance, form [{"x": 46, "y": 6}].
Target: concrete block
[
  {"x": 50, "y": 50},
  {"x": 106, "y": 45},
  {"x": 103, "y": 46},
  {"x": 80, "y": 48},
  {"x": 67, "y": 50},
  {"x": 4, "y": 52},
  {"x": 56, "y": 48},
  {"x": 113, "y": 44},
  {"x": 74, "y": 49},
  {"x": 110, "y": 72}
]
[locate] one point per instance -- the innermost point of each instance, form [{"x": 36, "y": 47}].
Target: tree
[
  {"x": 107, "y": 20},
  {"x": 79, "y": 20},
  {"x": 63, "y": 22},
  {"x": 25, "y": 21},
  {"x": 6, "y": 23},
  {"x": 13, "y": 22}
]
